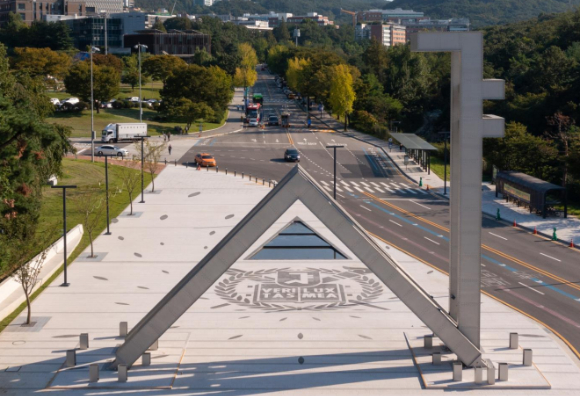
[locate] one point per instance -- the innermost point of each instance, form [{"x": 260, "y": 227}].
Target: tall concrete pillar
[{"x": 468, "y": 127}]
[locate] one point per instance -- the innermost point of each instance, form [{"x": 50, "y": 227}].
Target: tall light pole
[
  {"x": 335, "y": 146},
  {"x": 107, "y": 190},
  {"x": 64, "y": 226},
  {"x": 142, "y": 164},
  {"x": 93, "y": 49},
  {"x": 140, "y": 46}
]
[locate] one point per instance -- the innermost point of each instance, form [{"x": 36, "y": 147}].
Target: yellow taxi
[{"x": 205, "y": 159}]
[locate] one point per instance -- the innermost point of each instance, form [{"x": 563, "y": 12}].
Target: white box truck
[{"x": 124, "y": 131}]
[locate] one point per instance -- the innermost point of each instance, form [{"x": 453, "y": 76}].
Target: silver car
[{"x": 111, "y": 150}]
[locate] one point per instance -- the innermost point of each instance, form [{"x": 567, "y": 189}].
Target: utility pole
[
  {"x": 92, "y": 49},
  {"x": 335, "y": 146},
  {"x": 140, "y": 46}
]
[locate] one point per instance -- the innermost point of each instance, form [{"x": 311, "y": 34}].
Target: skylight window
[{"x": 297, "y": 242}]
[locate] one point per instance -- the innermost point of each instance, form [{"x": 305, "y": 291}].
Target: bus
[
  {"x": 253, "y": 114},
  {"x": 258, "y": 98}
]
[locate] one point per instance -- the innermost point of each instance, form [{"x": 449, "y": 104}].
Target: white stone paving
[{"x": 248, "y": 334}]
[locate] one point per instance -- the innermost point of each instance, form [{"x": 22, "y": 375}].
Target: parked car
[
  {"x": 292, "y": 155},
  {"x": 133, "y": 99},
  {"x": 111, "y": 150},
  {"x": 71, "y": 101},
  {"x": 205, "y": 159},
  {"x": 273, "y": 120},
  {"x": 291, "y": 95},
  {"x": 55, "y": 101}
]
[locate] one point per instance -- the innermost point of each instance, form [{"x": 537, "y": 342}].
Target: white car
[
  {"x": 55, "y": 101},
  {"x": 111, "y": 150},
  {"x": 133, "y": 99},
  {"x": 71, "y": 101}
]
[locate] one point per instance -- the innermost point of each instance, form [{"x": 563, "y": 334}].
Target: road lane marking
[
  {"x": 323, "y": 182},
  {"x": 553, "y": 258},
  {"x": 364, "y": 184},
  {"x": 411, "y": 191},
  {"x": 354, "y": 184},
  {"x": 431, "y": 240},
  {"x": 416, "y": 203},
  {"x": 375, "y": 184},
  {"x": 379, "y": 190},
  {"x": 495, "y": 235},
  {"x": 364, "y": 207},
  {"x": 486, "y": 247},
  {"x": 387, "y": 187},
  {"x": 368, "y": 189},
  {"x": 327, "y": 188},
  {"x": 574, "y": 350},
  {"x": 394, "y": 222},
  {"x": 531, "y": 288},
  {"x": 347, "y": 188}
]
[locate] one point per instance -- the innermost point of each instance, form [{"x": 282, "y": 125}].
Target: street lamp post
[
  {"x": 142, "y": 165},
  {"x": 107, "y": 190},
  {"x": 64, "y": 227},
  {"x": 446, "y": 136},
  {"x": 93, "y": 49},
  {"x": 140, "y": 47},
  {"x": 335, "y": 146}
]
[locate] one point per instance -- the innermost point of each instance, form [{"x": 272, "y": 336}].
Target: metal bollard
[
  {"x": 226, "y": 171},
  {"x": 242, "y": 175},
  {"x": 207, "y": 168},
  {"x": 235, "y": 173},
  {"x": 175, "y": 162},
  {"x": 94, "y": 372},
  {"x": 71, "y": 358},
  {"x": 154, "y": 346},
  {"x": 478, "y": 375},
  {"x": 165, "y": 161},
  {"x": 122, "y": 370},
  {"x": 436, "y": 358},
  {"x": 503, "y": 372},
  {"x": 527, "y": 361},
  {"x": 216, "y": 169},
  {"x": 514, "y": 341},
  {"x": 84, "y": 341},
  {"x": 428, "y": 341},
  {"x": 490, "y": 372},
  {"x": 269, "y": 183},
  {"x": 186, "y": 165},
  {"x": 457, "y": 371},
  {"x": 146, "y": 359},
  {"x": 263, "y": 182},
  {"x": 123, "y": 329}
]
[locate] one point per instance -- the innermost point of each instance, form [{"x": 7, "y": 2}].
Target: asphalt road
[{"x": 538, "y": 277}]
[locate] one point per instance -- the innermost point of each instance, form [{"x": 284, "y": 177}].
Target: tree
[
  {"x": 105, "y": 82},
  {"x": 108, "y": 60},
  {"x": 158, "y": 25},
  {"x": 152, "y": 155},
  {"x": 130, "y": 180},
  {"x": 180, "y": 23},
  {"x": 248, "y": 55},
  {"x": 130, "y": 71},
  {"x": 245, "y": 77},
  {"x": 160, "y": 67},
  {"x": 54, "y": 35},
  {"x": 294, "y": 73},
  {"x": 41, "y": 62},
  {"x": 342, "y": 93},
  {"x": 89, "y": 204},
  {"x": 27, "y": 270},
  {"x": 190, "y": 111},
  {"x": 210, "y": 85},
  {"x": 564, "y": 132}
]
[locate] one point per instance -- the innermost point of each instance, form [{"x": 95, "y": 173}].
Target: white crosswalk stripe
[{"x": 373, "y": 187}]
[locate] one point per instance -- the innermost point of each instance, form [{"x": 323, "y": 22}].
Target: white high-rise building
[{"x": 103, "y": 6}]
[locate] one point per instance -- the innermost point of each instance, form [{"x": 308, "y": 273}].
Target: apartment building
[
  {"x": 33, "y": 10},
  {"x": 388, "y": 34}
]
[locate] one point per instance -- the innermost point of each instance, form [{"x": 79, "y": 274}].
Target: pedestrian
[
  {"x": 168, "y": 136},
  {"x": 309, "y": 122},
  {"x": 169, "y": 149},
  {"x": 401, "y": 147},
  {"x": 164, "y": 137}
]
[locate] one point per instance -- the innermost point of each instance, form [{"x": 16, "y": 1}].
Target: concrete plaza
[{"x": 250, "y": 334}]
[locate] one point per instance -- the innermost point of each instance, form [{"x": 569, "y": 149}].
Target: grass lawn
[
  {"x": 81, "y": 122},
  {"x": 84, "y": 174},
  {"x": 437, "y": 167}
]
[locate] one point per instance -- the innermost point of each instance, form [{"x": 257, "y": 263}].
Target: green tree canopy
[
  {"x": 106, "y": 82},
  {"x": 160, "y": 67}
]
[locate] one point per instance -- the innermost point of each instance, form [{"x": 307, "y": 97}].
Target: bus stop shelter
[
  {"x": 417, "y": 148},
  {"x": 540, "y": 196}
]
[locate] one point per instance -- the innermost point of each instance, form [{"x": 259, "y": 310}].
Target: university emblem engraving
[{"x": 300, "y": 289}]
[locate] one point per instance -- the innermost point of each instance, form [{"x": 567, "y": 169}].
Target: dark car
[
  {"x": 292, "y": 155},
  {"x": 273, "y": 120}
]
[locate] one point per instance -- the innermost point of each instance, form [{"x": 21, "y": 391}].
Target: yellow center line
[
  {"x": 572, "y": 348},
  {"x": 488, "y": 248}
]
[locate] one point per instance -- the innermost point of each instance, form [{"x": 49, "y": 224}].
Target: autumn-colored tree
[
  {"x": 108, "y": 60},
  {"x": 341, "y": 94},
  {"x": 294, "y": 72},
  {"x": 41, "y": 62},
  {"x": 246, "y": 75}
]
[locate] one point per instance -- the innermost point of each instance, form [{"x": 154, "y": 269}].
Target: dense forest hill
[
  {"x": 329, "y": 8},
  {"x": 486, "y": 12}
]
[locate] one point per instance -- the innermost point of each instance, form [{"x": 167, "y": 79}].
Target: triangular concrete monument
[{"x": 297, "y": 185}]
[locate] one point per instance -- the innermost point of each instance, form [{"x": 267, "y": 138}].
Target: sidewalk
[
  {"x": 567, "y": 229},
  {"x": 241, "y": 345}
]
